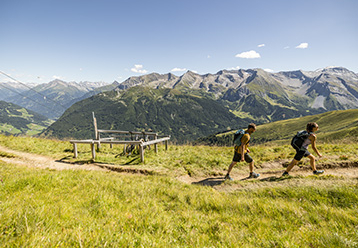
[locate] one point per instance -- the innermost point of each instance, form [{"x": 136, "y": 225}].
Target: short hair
[
  {"x": 251, "y": 125},
  {"x": 310, "y": 126}
]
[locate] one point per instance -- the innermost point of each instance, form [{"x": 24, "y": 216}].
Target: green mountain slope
[
  {"x": 184, "y": 116},
  {"x": 334, "y": 125},
  {"x": 17, "y": 120}
]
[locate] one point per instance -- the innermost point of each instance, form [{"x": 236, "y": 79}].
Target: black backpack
[{"x": 299, "y": 138}]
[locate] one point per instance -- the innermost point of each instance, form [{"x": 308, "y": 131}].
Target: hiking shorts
[
  {"x": 301, "y": 153},
  {"x": 237, "y": 157}
]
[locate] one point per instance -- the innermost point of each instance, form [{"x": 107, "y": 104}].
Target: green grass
[
  {"x": 48, "y": 208},
  {"x": 44, "y": 208},
  {"x": 9, "y": 128},
  {"x": 178, "y": 159},
  {"x": 339, "y": 125}
]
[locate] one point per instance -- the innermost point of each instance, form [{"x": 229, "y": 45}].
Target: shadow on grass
[
  {"x": 66, "y": 160},
  {"x": 267, "y": 179},
  {"x": 275, "y": 179},
  {"x": 112, "y": 167},
  {"x": 210, "y": 182},
  {"x": 69, "y": 160}
]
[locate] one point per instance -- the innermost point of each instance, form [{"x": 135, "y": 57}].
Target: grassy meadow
[
  {"x": 334, "y": 126},
  {"x": 75, "y": 208}
]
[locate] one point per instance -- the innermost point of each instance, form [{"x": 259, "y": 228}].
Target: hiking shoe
[
  {"x": 254, "y": 175},
  {"x": 228, "y": 177},
  {"x": 316, "y": 172},
  {"x": 285, "y": 174}
]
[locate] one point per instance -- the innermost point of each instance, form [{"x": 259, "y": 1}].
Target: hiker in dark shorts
[
  {"x": 242, "y": 153},
  {"x": 302, "y": 151}
]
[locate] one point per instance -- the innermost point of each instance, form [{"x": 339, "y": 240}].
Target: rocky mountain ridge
[
  {"x": 273, "y": 96},
  {"x": 319, "y": 87}
]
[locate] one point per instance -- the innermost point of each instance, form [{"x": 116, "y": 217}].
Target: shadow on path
[{"x": 210, "y": 181}]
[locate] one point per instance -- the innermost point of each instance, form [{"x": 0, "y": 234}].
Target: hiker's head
[
  {"x": 251, "y": 128},
  {"x": 312, "y": 127}
]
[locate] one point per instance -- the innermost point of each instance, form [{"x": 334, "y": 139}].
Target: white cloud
[
  {"x": 178, "y": 69},
  {"x": 208, "y": 56},
  {"x": 269, "y": 70},
  {"x": 302, "y": 46},
  {"x": 286, "y": 47},
  {"x": 138, "y": 69},
  {"x": 56, "y": 77},
  {"x": 234, "y": 68},
  {"x": 248, "y": 55},
  {"x": 261, "y": 45}
]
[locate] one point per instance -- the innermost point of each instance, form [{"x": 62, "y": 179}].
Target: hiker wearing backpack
[
  {"x": 241, "y": 153},
  {"x": 300, "y": 143}
]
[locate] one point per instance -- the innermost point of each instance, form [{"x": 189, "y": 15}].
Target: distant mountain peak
[
  {"x": 333, "y": 69},
  {"x": 57, "y": 81}
]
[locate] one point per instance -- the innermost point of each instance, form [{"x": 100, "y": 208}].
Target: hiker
[
  {"x": 309, "y": 138},
  {"x": 241, "y": 152}
]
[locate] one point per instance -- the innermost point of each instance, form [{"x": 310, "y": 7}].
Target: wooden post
[
  {"x": 98, "y": 138},
  {"x": 93, "y": 151},
  {"x": 166, "y": 145},
  {"x": 96, "y": 134},
  {"x": 75, "y": 150},
  {"x": 155, "y": 145},
  {"x": 95, "y": 126},
  {"x": 141, "y": 152}
]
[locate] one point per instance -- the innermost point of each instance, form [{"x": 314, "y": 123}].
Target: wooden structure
[{"x": 149, "y": 138}]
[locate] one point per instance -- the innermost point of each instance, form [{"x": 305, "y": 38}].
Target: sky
[{"x": 112, "y": 40}]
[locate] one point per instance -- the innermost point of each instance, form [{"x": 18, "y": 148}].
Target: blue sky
[{"x": 108, "y": 40}]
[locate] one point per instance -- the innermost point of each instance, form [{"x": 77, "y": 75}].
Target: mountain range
[
  {"x": 50, "y": 99},
  {"x": 193, "y": 105},
  {"x": 324, "y": 89}
]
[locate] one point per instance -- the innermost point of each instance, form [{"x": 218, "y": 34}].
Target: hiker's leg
[
  {"x": 251, "y": 166},
  {"x": 235, "y": 159},
  {"x": 290, "y": 166},
  {"x": 312, "y": 162},
  {"x": 250, "y": 161},
  {"x": 231, "y": 166},
  {"x": 299, "y": 155}
]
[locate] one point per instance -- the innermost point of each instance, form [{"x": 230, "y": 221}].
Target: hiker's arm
[
  {"x": 244, "y": 141},
  {"x": 242, "y": 152},
  {"x": 313, "y": 139}
]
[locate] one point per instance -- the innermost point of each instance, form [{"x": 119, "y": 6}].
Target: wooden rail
[{"x": 110, "y": 141}]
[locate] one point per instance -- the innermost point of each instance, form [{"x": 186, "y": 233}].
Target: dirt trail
[
  {"x": 270, "y": 172},
  {"x": 271, "y": 175},
  {"x": 34, "y": 160}
]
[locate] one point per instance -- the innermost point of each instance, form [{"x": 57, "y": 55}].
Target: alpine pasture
[{"x": 177, "y": 198}]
